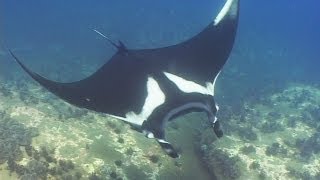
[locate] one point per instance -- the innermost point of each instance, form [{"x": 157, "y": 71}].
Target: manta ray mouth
[
  {"x": 191, "y": 107},
  {"x": 198, "y": 107},
  {"x": 178, "y": 112}
]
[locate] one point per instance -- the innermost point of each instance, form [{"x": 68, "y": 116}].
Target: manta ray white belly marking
[
  {"x": 190, "y": 86},
  {"x": 155, "y": 98}
]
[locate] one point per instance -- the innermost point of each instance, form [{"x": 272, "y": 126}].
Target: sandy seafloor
[
  {"x": 274, "y": 138},
  {"x": 98, "y": 146}
]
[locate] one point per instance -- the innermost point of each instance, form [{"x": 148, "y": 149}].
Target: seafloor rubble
[
  {"x": 44, "y": 138},
  {"x": 276, "y": 137}
]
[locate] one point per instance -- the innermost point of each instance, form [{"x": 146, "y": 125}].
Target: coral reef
[
  {"x": 13, "y": 135},
  {"x": 247, "y": 134},
  {"x": 309, "y": 146},
  {"x": 70, "y": 146},
  {"x": 294, "y": 172},
  {"x": 274, "y": 136},
  {"x": 135, "y": 172},
  {"x": 271, "y": 127},
  {"x": 248, "y": 149},
  {"x": 254, "y": 165},
  {"x": 276, "y": 149},
  {"x": 38, "y": 167},
  {"x": 277, "y": 137},
  {"x": 5, "y": 91},
  {"x": 220, "y": 163}
]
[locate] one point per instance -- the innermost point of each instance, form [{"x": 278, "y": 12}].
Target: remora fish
[{"x": 149, "y": 87}]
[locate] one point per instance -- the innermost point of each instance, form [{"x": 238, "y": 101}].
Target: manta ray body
[{"x": 149, "y": 87}]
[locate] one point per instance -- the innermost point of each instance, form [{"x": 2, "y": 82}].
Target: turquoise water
[{"x": 268, "y": 91}]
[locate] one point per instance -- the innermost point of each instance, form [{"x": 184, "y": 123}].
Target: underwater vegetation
[
  {"x": 295, "y": 173},
  {"x": 276, "y": 149},
  {"x": 271, "y": 127},
  {"x": 223, "y": 165},
  {"x": 13, "y": 135},
  {"x": 220, "y": 164},
  {"x": 274, "y": 137},
  {"x": 277, "y": 137},
  {"x": 53, "y": 140},
  {"x": 16, "y": 140},
  {"x": 5, "y": 91},
  {"x": 309, "y": 146},
  {"x": 247, "y": 133},
  {"x": 248, "y": 149},
  {"x": 113, "y": 173}
]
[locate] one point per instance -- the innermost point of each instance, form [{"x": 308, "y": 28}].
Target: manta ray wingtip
[{"x": 18, "y": 61}]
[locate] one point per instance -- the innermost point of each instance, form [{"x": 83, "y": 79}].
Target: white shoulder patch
[
  {"x": 155, "y": 98},
  {"x": 190, "y": 86},
  {"x": 223, "y": 12}
]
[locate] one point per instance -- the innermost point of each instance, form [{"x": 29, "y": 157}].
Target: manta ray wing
[
  {"x": 148, "y": 87},
  {"x": 115, "y": 88}
]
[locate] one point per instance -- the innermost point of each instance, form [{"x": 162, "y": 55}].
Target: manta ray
[{"x": 147, "y": 88}]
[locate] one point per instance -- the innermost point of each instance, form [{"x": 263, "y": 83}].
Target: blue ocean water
[
  {"x": 277, "y": 41},
  {"x": 68, "y": 26}
]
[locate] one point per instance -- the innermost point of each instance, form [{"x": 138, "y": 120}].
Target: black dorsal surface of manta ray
[{"x": 149, "y": 87}]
